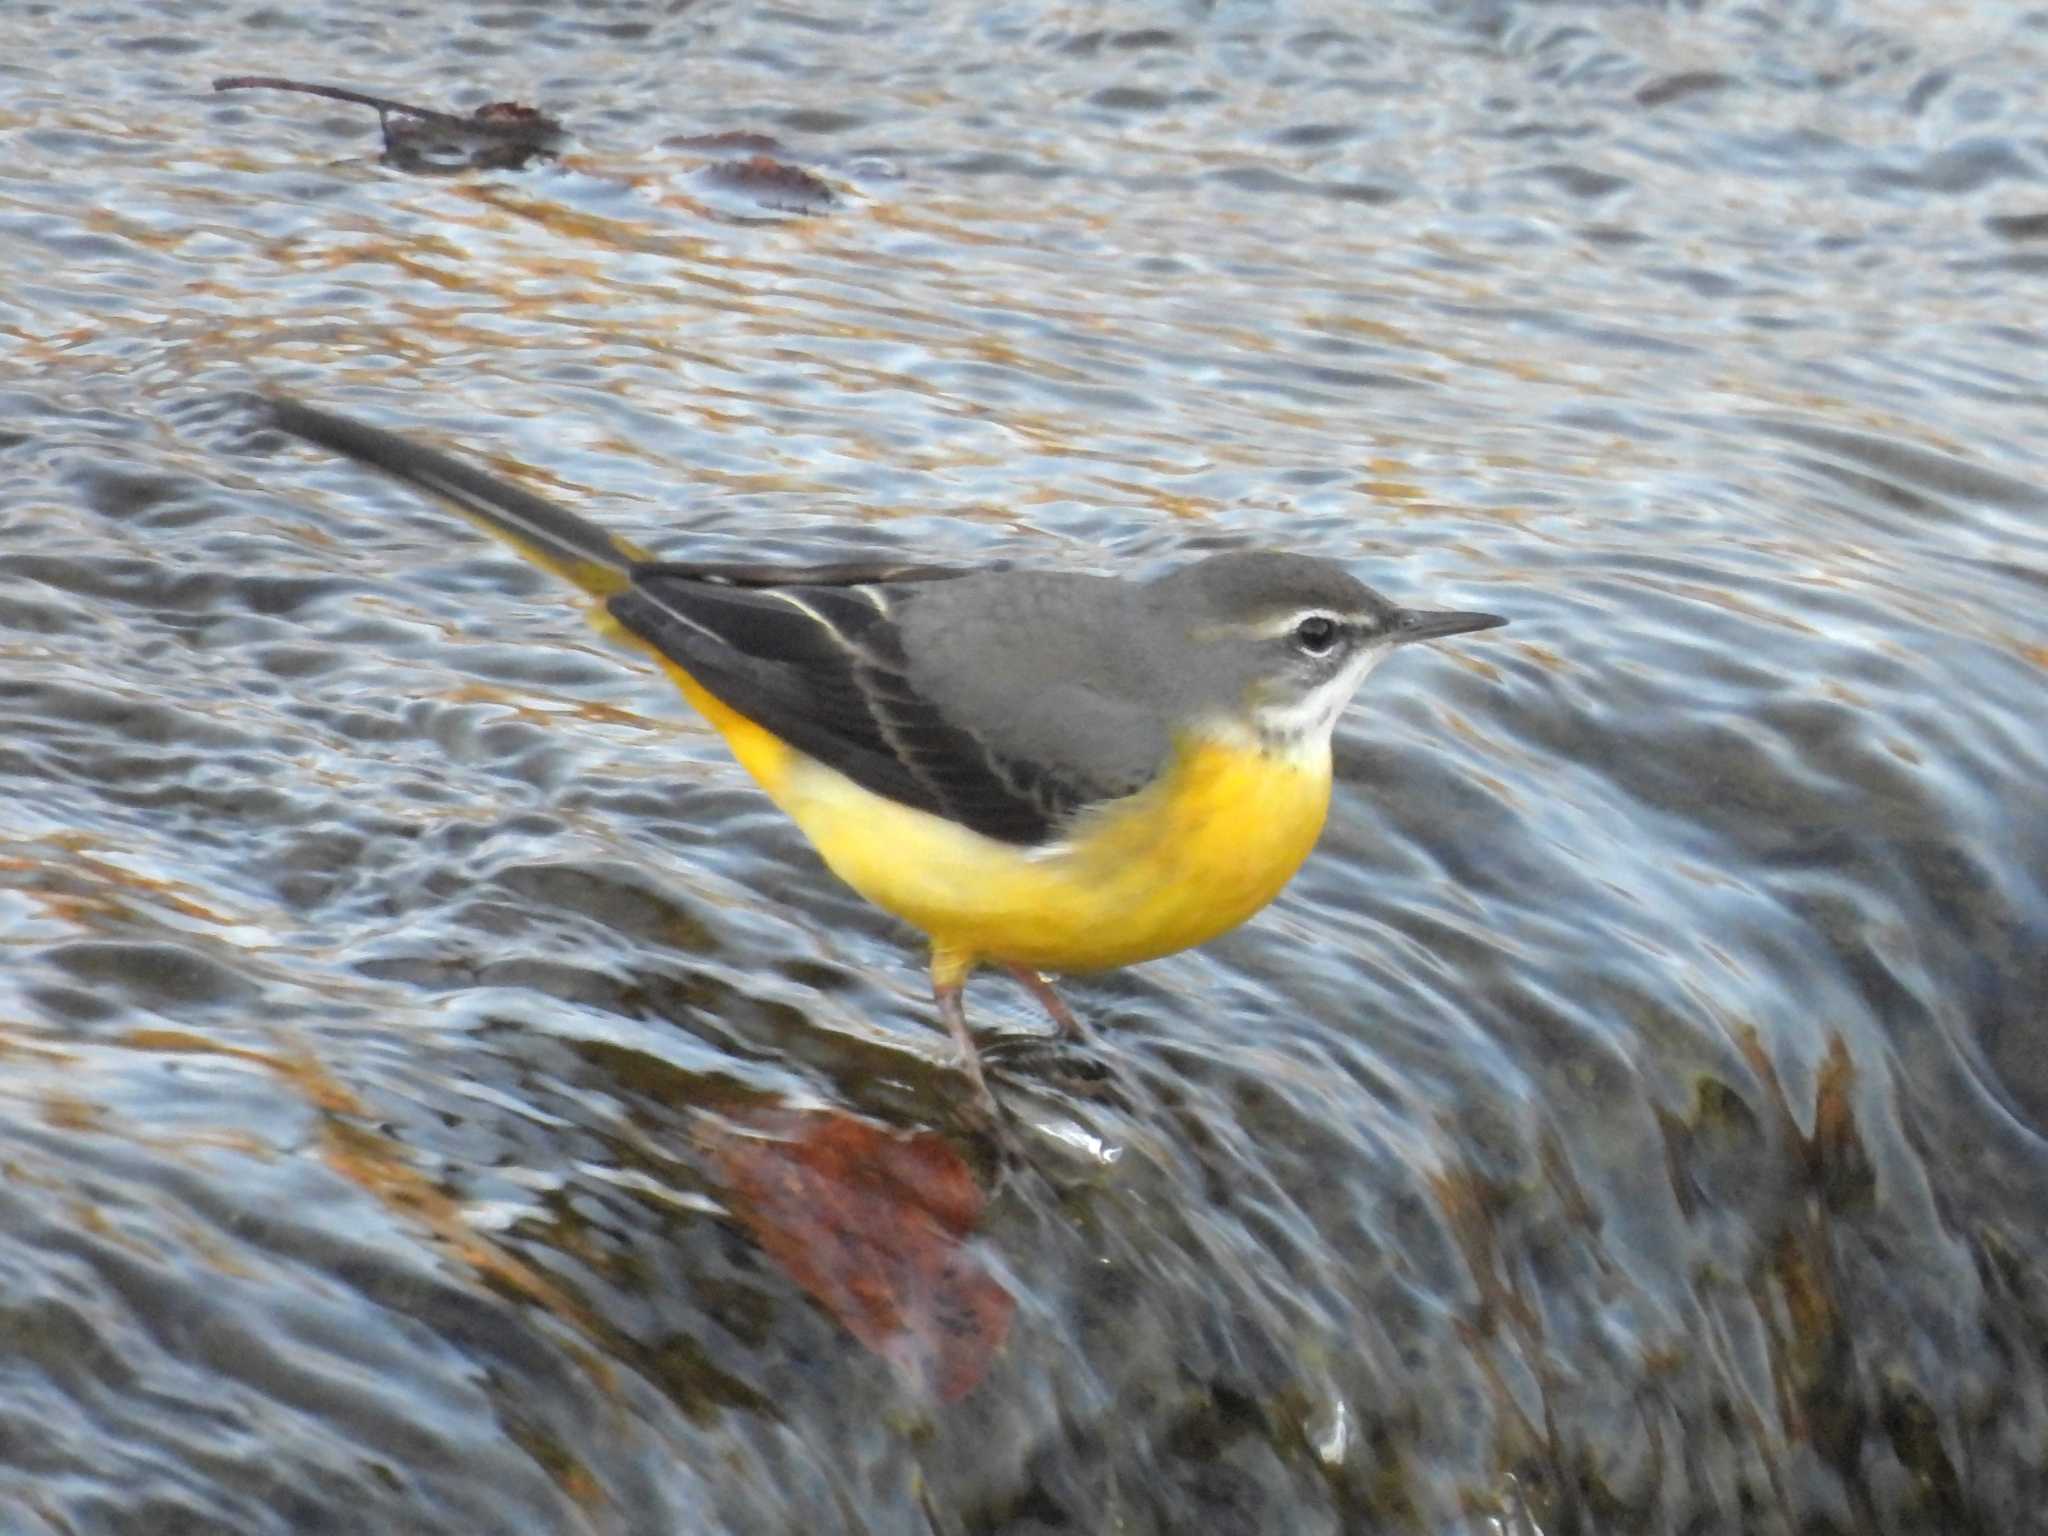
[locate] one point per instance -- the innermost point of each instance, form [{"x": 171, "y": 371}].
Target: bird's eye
[{"x": 1316, "y": 634}]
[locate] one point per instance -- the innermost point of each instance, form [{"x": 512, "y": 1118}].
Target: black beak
[{"x": 1422, "y": 624}]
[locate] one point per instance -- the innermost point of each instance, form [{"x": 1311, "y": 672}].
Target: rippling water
[{"x": 1631, "y": 1120}]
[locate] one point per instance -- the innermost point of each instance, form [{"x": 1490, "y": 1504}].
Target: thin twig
[{"x": 380, "y": 104}]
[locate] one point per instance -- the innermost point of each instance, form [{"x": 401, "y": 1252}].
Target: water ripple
[{"x": 1629, "y": 1120}]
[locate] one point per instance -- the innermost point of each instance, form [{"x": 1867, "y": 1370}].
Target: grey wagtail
[{"x": 1039, "y": 770}]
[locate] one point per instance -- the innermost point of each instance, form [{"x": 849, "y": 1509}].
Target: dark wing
[
  {"x": 816, "y": 656},
  {"x": 842, "y": 573}
]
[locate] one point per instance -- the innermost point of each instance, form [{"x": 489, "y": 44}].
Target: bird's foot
[{"x": 1062, "y": 1016}]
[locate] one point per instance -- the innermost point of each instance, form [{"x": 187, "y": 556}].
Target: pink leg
[
  {"x": 1062, "y": 1016},
  {"x": 951, "y": 1008}
]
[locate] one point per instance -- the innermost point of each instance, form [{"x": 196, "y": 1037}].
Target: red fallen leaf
[{"x": 873, "y": 1224}]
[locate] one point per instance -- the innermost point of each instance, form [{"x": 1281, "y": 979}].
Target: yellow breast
[{"x": 1191, "y": 856}]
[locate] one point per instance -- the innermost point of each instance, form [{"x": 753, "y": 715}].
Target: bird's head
[{"x": 1274, "y": 645}]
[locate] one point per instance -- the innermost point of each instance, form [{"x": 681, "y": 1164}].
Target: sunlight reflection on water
[{"x": 1630, "y": 1119}]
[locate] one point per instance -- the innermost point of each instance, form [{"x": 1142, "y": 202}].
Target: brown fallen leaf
[
  {"x": 874, "y": 1225},
  {"x": 731, "y": 141},
  {"x": 772, "y": 183}
]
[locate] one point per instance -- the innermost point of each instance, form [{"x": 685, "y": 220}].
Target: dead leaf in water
[{"x": 874, "y": 1225}]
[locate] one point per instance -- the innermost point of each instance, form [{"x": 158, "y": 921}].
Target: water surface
[{"x": 1632, "y": 1119}]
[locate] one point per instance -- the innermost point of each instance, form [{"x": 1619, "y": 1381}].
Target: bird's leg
[
  {"x": 1048, "y": 999},
  {"x": 949, "y": 983}
]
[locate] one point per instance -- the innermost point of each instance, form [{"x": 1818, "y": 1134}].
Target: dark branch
[{"x": 340, "y": 93}]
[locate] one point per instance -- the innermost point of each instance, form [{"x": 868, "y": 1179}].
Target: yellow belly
[{"x": 1190, "y": 857}]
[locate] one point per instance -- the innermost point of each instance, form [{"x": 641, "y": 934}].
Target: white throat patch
[{"x": 1302, "y": 727}]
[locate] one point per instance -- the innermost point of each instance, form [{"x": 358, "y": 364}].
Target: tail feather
[{"x": 550, "y": 536}]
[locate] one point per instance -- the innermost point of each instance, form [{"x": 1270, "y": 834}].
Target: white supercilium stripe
[{"x": 1272, "y": 629}]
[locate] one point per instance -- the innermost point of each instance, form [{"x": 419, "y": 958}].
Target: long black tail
[{"x": 546, "y": 534}]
